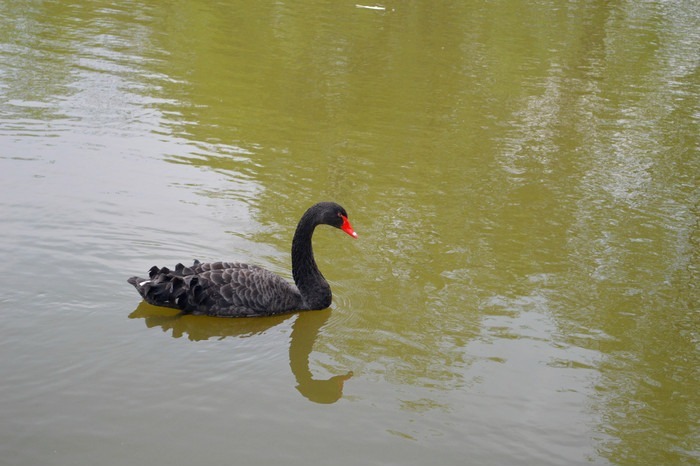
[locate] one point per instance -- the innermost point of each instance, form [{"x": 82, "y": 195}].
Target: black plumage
[{"x": 234, "y": 289}]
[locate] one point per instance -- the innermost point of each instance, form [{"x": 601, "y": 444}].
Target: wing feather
[{"x": 219, "y": 288}]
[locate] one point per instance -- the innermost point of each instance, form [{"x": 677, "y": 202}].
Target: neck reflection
[
  {"x": 304, "y": 334},
  {"x": 305, "y": 331}
]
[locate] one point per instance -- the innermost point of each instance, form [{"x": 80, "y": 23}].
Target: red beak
[{"x": 347, "y": 228}]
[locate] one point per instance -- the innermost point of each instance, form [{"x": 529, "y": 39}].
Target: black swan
[{"x": 233, "y": 289}]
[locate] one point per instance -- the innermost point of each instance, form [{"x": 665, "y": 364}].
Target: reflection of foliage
[
  {"x": 423, "y": 405},
  {"x": 584, "y": 199}
]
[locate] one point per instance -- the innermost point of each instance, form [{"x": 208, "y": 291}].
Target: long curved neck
[{"x": 314, "y": 289}]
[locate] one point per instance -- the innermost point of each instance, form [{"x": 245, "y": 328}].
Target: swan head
[{"x": 334, "y": 215}]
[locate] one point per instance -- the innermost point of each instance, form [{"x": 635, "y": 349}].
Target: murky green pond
[{"x": 524, "y": 178}]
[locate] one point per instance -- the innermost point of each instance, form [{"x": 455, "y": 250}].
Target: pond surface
[{"x": 523, "y": 177}]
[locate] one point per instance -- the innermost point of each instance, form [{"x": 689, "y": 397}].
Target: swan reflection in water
[{"x": 305, "y": 331}]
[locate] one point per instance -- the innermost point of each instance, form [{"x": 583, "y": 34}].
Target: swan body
[{"x": 234, "y": 289}]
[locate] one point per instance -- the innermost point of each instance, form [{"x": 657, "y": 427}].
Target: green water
[{"x": 523, "y": 177}]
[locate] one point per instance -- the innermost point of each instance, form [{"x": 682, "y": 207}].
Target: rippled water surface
[{"x": 524, "y": 289}]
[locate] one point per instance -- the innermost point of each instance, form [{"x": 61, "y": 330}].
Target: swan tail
[{"x": 177, "y": 288}]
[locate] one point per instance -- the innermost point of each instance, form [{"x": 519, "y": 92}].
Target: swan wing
[{"x": 225, "y": 289}]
